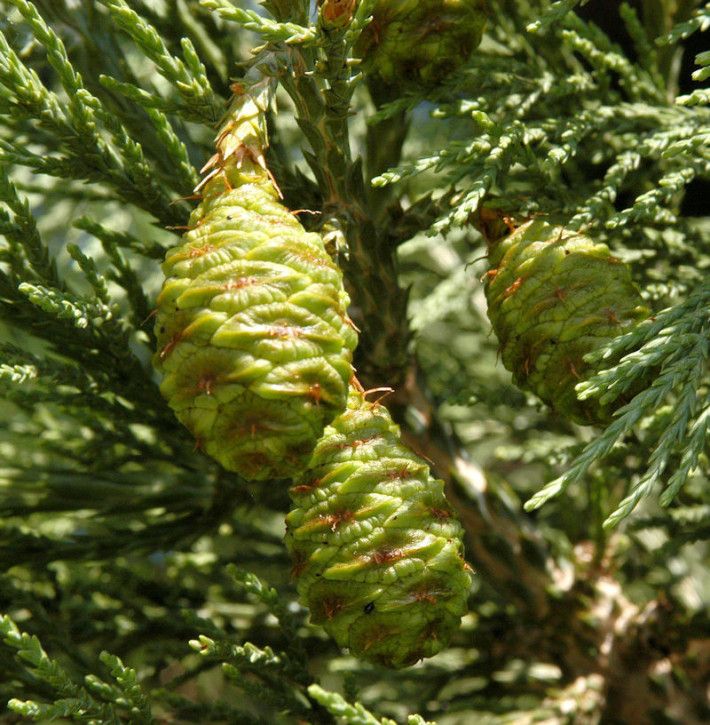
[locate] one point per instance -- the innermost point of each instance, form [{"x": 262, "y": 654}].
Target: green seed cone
[
  {"x": 554, "y": 296},
  {"x": 254, "y": 341},
  {"x": 411, "y": 43},
  {"x": 376, "y": 549}
]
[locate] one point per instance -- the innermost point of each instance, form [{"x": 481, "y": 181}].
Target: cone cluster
[{"x": 255, "y": 347}]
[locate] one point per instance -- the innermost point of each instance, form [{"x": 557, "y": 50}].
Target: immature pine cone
[
  {"x": 377, "y": 552},
  {"x": 554, "y": 296},
  {"x": 415, "y": 43},
  {"x": 254, "y": 340}
]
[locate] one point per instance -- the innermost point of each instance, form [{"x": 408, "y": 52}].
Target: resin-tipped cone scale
[
  {"x": 377, "y": 552},
  {"x": 415, "y": 43},
  {"x": 553, "y": 296},
  {"x": 254, "y": 340}
]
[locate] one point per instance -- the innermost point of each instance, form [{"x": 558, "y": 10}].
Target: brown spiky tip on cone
[
  {"x": 415, "y": 43},
  {"x": 337, "y": 13},
  {"x": 254, "y": 341},
  {"x": 377, "y": 551},
  {"x": 554, "y": 296}
]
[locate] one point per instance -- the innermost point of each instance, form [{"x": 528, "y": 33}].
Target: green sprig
[
  {"x": 74, "y": 701},
  {"x": 29, "y": 255},
  {"x": 275, "y": 32},
  {"x": 188, "y": 76},
  {"x": 699, "y": 21},
  {"x": 675, "y": 347},
  {"x": 338, "y": 706},
  {"x": 554, "y": 13}
]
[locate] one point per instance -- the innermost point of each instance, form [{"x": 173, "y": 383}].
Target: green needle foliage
[{"x": 139, "y": 581}]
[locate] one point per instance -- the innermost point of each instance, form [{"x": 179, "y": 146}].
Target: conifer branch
[
  {"x": 188, "y": 76},
  {"x": 285, "y": 32},
  {"x": 74, "y": 702},
  {"x": 28, "y": 255},
  {"x": 123, "y": 163},
  {"x": 370, "y": 265},
  {"x": 121, "y": 240},
  {"x": 674, "y": 347},
  {"x": 117, "y": 535},
  {"x": 339, "y": 707}
]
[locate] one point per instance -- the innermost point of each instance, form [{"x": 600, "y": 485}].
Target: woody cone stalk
[{"x": 254, "y": 340}]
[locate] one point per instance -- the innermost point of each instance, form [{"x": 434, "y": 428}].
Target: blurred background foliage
[{"x": 118, "y": 537}]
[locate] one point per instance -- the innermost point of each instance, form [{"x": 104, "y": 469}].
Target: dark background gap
[{"x": 696, "y": 201}]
